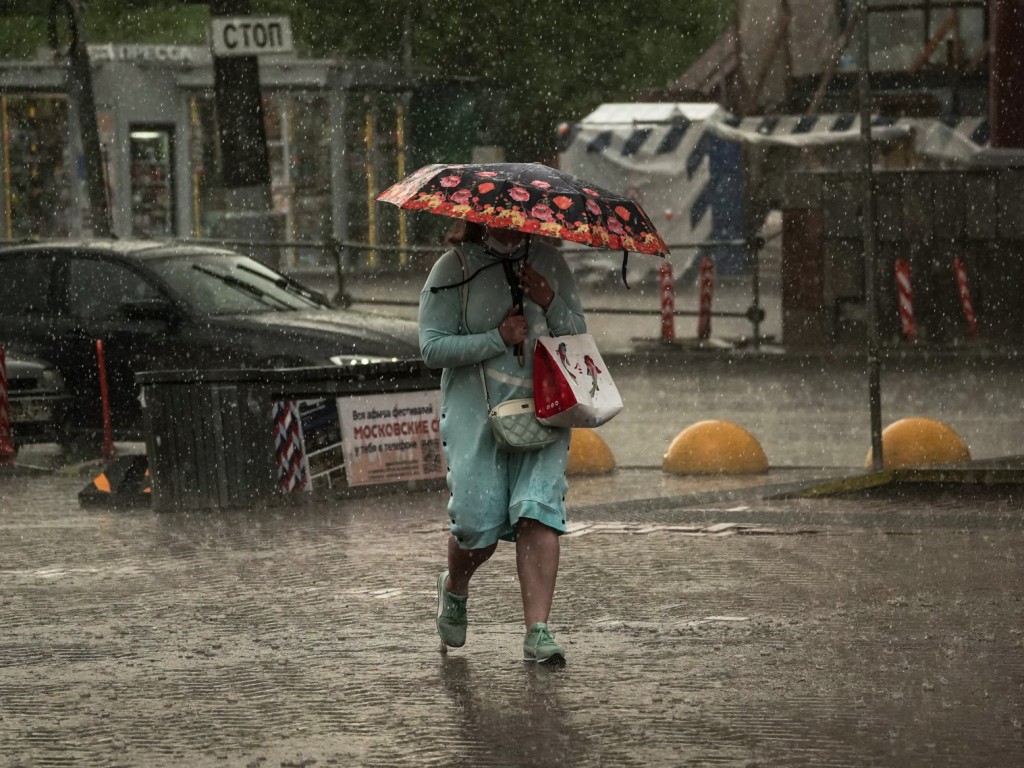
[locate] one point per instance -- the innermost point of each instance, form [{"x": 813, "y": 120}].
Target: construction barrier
[
  {"x": 243, "y": 438},
  {"x": 290, "y": 454},
  {"x": 964, "y": 289},
  {"x": 667, "y": 290},
  {"x": 906, "y": 301},
  {"x": 7, "y": 451},
  {"x": 707, "y": 287}
]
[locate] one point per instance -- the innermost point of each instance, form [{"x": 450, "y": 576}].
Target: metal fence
[{"x": 337, "y": 262}]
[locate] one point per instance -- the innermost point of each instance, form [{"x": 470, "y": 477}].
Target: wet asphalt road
[
  {"x": 868, "y": 631},
  {"x": 706, "y": 622}
]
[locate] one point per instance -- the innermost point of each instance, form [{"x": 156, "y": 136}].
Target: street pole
[
  {"x": 868, "y": 228},
  {"x": 1006, "y": 74},
  {"x": 84, "y": 104},
  {"x": 242, "y": 137}
]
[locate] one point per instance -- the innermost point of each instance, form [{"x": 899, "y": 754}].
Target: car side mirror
[{"x": 150, "y": 309}]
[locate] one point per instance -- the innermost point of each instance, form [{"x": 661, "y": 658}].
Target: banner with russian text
[{"x": 390, "y": 438}]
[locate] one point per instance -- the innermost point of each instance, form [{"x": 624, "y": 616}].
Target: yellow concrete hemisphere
[
  {"x": 714, "y": 448},
  {"x": 919, "y": 442},
  {"x": 589, "y": 454}
]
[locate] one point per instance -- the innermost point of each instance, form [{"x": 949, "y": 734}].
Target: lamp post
[{"x": 868, "y": 229}]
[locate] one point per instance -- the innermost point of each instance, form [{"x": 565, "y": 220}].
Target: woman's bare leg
[
  {"x": 462, "y": 564},
  {"x": 537, "y": 552}
]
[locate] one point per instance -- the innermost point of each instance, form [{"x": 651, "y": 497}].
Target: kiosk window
[{"x": 152, "y": 154}]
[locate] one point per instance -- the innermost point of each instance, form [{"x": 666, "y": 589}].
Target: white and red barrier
[
  {"x": 290, "y": 454},
  {"x": 707, "y": 288},
  {"x": 7, "y": 451},
  {"x": 964, "y": 289},
  {"x": 667, "y": 290},
  {"x": 905, "y": 297}
]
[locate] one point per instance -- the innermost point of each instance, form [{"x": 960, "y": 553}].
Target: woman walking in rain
[{"x": 482, "y": 302}]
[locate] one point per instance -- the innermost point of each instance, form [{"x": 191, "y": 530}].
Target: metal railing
[{"x": 341, "y": 259}]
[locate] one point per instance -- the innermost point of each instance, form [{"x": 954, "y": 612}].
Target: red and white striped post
[
  {"x": 7, "y": 452},
  {"x": 707, "y": 288},
  {"x": 667, "y": 289},
  {"x": 964, "y": 289},
  {"x": 906, "y": 301},
  {"x": 109, "y": 452}
]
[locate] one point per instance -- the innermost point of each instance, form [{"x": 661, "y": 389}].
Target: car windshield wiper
[
  {"x": 241, "y": 285},
  {"x": 286, "y": 283}
]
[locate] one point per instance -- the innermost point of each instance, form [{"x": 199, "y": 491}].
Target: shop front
[{"x": 335, "y": 133}]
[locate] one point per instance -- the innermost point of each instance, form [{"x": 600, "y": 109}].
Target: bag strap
[{"x": 463, "y": 328}]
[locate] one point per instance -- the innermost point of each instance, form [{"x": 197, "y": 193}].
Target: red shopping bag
[{"x": 571, "y": 383}]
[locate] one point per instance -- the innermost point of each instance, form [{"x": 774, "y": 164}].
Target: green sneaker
[
  {"x": 451, "y": 615},
  {"x": 540, "y": 646}
]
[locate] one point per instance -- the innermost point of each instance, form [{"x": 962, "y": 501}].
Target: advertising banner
[{"x": 390, "y": 438}]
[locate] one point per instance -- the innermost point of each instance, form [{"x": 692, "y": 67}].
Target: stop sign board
[{"x": 250, "y": 35}]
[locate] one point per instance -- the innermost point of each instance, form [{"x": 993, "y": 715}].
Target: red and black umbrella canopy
[{"x": 531, "y": 198}]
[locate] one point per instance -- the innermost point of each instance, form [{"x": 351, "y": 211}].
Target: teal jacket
[
  {"x": 492, "y": 490},
  {"x": 446, "y": 343}
]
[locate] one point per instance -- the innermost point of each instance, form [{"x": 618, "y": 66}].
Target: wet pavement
[
  {"x": 717, "y": 627},
  {"x": 707, "y": 620}
]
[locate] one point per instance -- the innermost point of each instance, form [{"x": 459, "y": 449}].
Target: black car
[
  {"x": 37, "y": 399},
  {"x": 170, "y": 306}
]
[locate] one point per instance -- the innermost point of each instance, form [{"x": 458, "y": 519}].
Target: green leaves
[{"x": 535, "y": 62}]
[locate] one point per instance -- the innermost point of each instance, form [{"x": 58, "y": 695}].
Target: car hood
[{"x": 333, "y": 331}]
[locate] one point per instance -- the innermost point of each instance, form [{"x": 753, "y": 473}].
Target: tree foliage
[
  {"x": 546, "y": 61},
  {"x": 553, "y": 60}
]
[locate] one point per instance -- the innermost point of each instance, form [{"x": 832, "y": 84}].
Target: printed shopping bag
[{"x": 571, "y": 383}]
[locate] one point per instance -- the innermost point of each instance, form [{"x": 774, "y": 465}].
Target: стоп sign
[{"x": 250, "y": 35}]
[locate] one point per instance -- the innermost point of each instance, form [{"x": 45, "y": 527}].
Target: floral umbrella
[{"x": 530, "y": 198}]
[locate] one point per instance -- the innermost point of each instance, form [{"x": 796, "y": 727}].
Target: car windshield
[{"x": 229, "y": 284}]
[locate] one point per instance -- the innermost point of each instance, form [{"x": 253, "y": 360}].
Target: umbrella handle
[{"x": 520, "y": 348}]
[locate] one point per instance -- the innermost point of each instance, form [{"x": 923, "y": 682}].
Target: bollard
[
  {"x": 707, "y": 287},
  {"x": 589, "y": 454},
  {"x": 920, "y": 442},
  {"x": 906, "y": 301},
  {"x": 714, "y": 447},
  {"x": 7, "y": 451},
  {"x": 668, "y": 302},
  {"x": 109, "y": 452},
  {"x": 964, "y": 289}
]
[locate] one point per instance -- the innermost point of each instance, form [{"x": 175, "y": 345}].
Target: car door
[{"x": 92, "y": 291}]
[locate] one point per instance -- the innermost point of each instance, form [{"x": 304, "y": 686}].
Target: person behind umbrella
[{"x": 517, "y": 497}]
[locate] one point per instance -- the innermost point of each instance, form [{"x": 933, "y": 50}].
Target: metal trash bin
[{"x": 210, "y": 434}]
